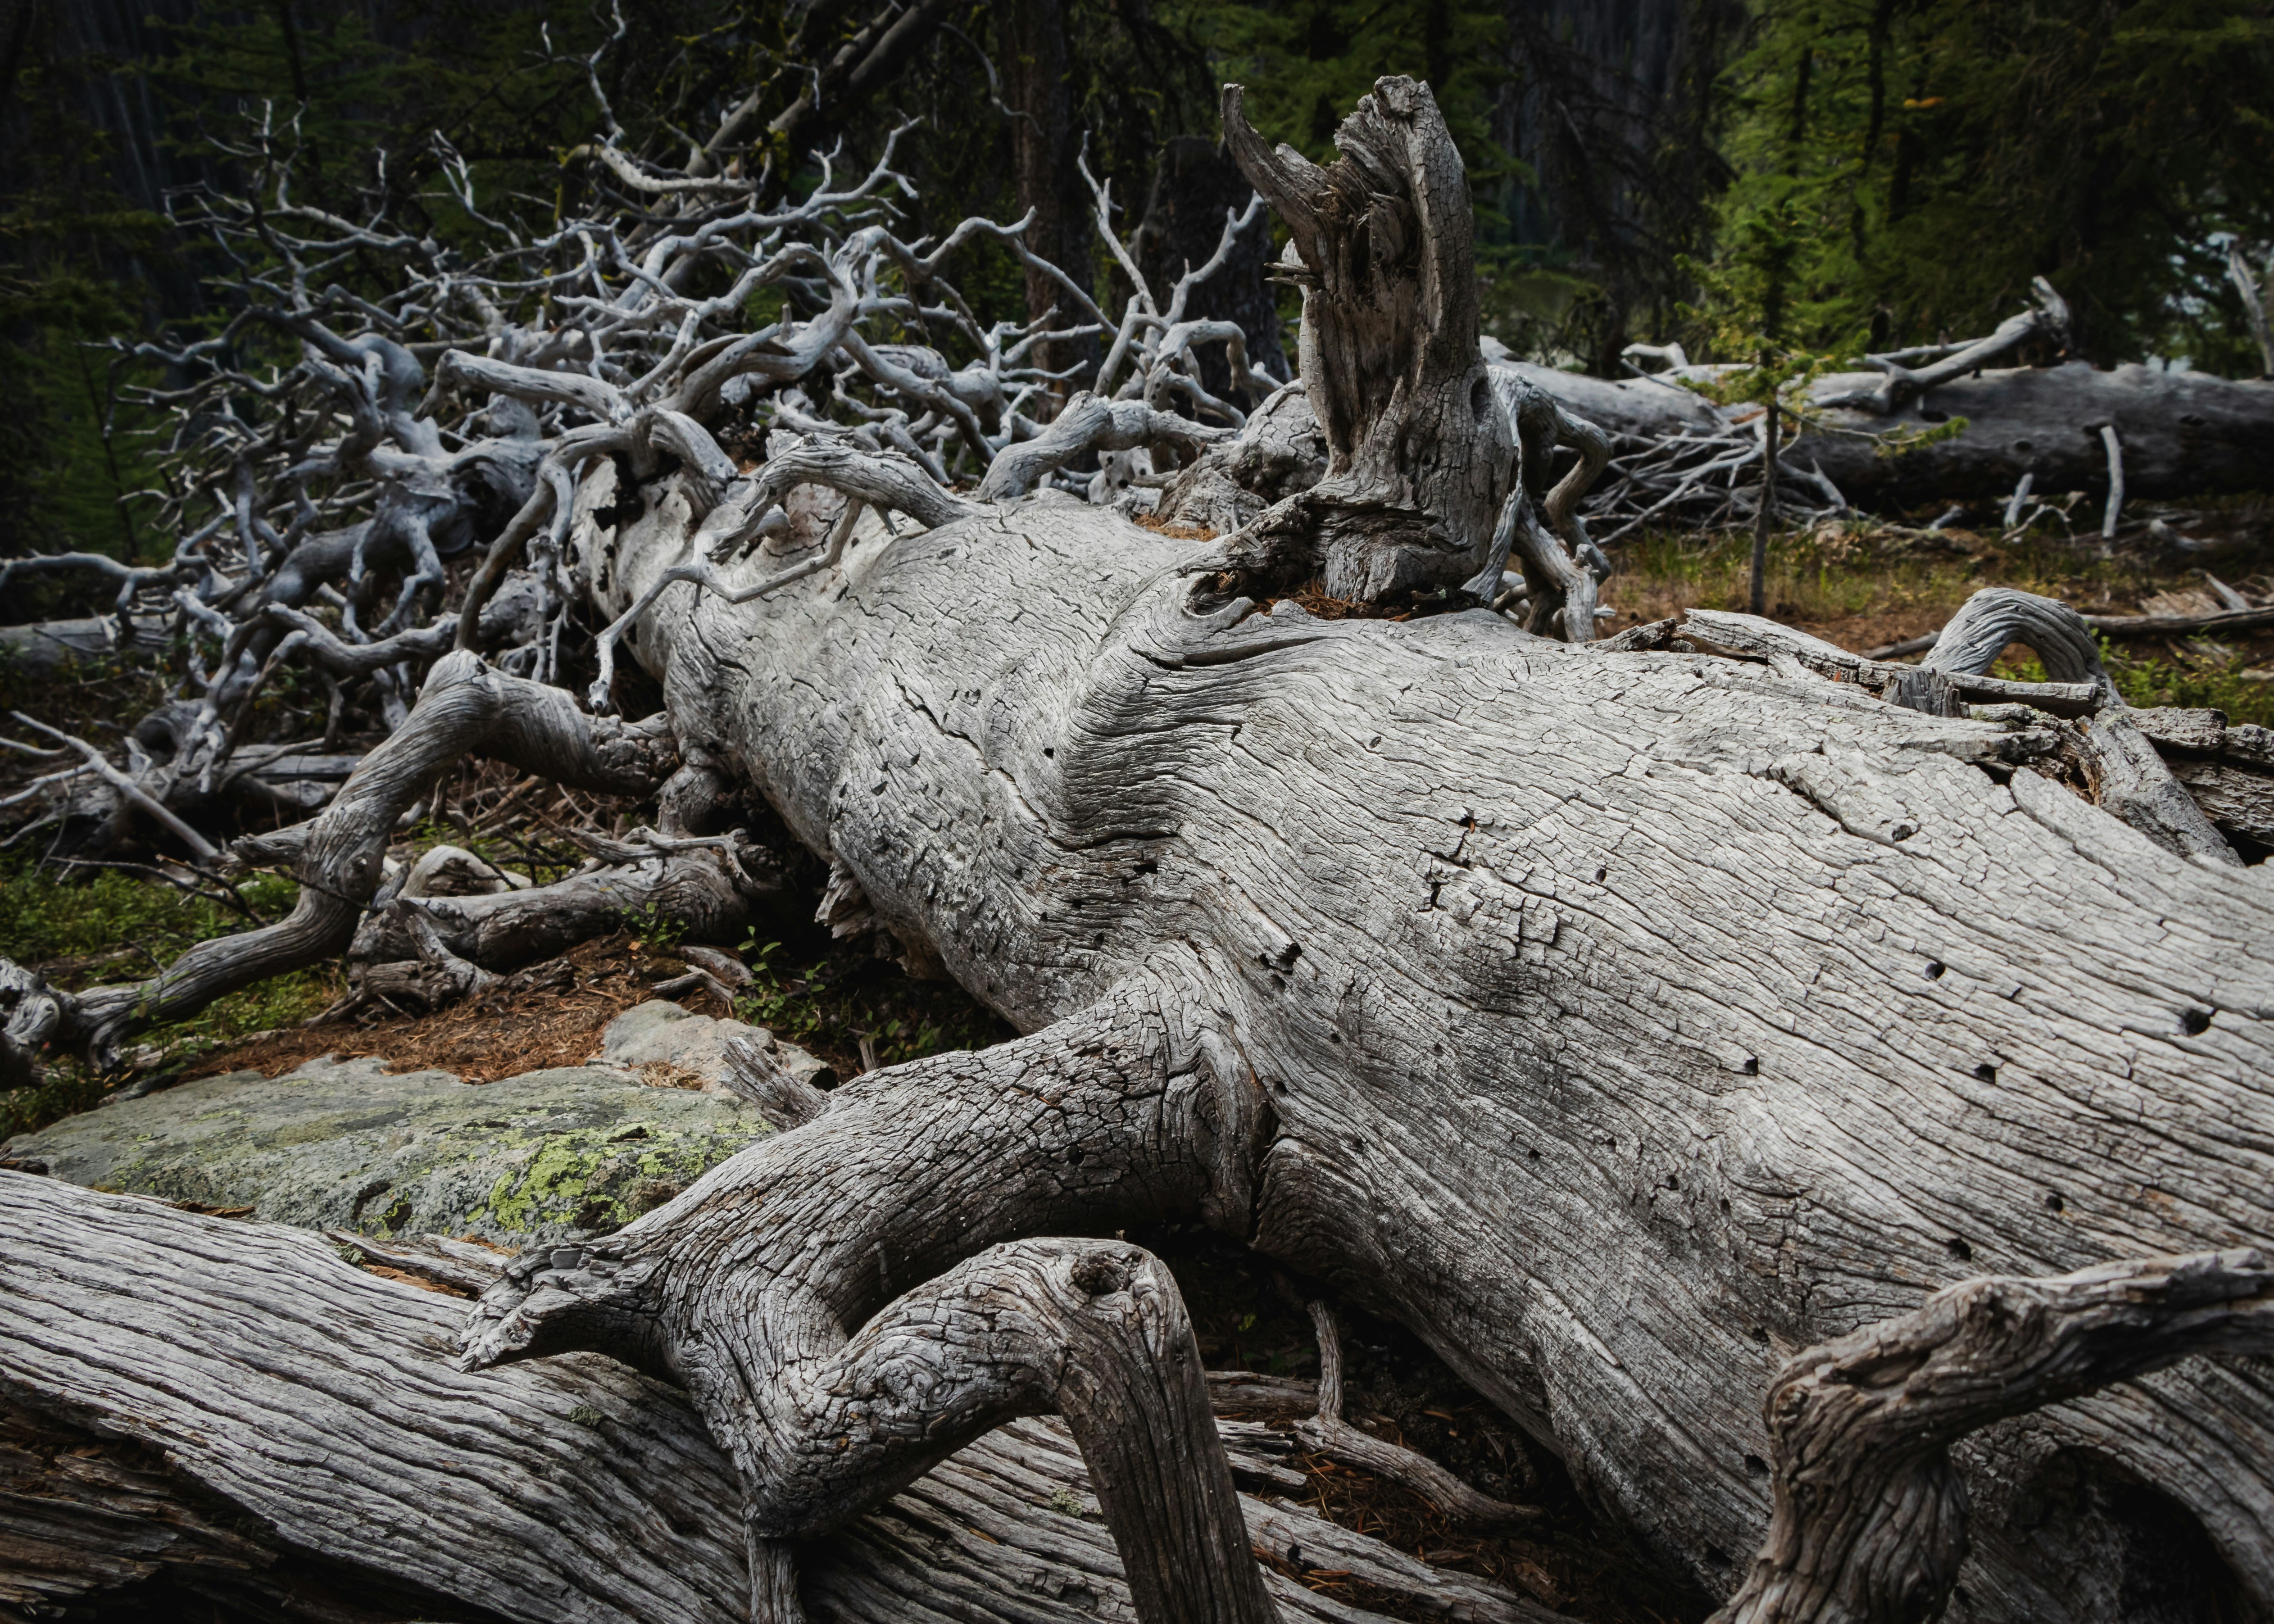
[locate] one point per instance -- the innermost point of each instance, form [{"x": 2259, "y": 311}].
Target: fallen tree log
[
  {"x": 1638, "y": 942},
  {"x": 220, "y": 1413},
  {"x": 1622, "y": 1020},
  {"x": 2182, "y": 433}
]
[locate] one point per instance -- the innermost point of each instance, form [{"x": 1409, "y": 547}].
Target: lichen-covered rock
[{"x": 570, "y": 1152}]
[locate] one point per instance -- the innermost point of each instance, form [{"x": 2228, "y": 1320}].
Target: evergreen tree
[{"x": 1906, "y": 166}]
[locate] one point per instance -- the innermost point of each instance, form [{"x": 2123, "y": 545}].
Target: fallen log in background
[{"x": 2182, "y": 433}]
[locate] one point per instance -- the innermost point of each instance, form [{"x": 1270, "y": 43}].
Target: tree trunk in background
[
  {"x": 72, "y": 50},
  {"x": 1194, "y": 183},
  {"x": 1611, "y": 111},
  {"x": 1043, "y": 147}
]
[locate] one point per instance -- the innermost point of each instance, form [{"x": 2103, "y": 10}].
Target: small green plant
[
  {"x": 67, "y": 1091},
  {"x": 1909, "y": 437},
  {"x": 660, "y": 931},
  {"x": 2146, "y": 682},
  {"x": 834, "y": 1001}
]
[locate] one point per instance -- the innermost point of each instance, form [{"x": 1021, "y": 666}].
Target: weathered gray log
[
  {"x": 2184, "y": 433},
  {"x": 234, "y": 1407},
  {"x": 2228, "y": 771},
  {"x": 42, "y": 646},
  {"x": 1648, "y": 917}
]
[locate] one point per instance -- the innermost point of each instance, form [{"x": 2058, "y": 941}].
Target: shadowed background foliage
[{"x": 1826, "y": 174}]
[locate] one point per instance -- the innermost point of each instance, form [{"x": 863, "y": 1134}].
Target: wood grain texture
[
  {"x": 320, "y": 1401},
  {"x": 1420, "y": 452},
  {"x": 231, "y": 1406},
  {"x": 1608, "y": 1038}
]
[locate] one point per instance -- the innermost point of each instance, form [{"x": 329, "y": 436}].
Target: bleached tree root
[
  {"x": 1088, "y": 424},
  {"x": 850, "y": 1303},
  {"x": 2123, "y": 770},
  {"x": 466, "y": 708},
  {"x": 2118, "y": 767},
  {"x": 705, "y": 888},
  {"x": 1870, "y": 1526}
]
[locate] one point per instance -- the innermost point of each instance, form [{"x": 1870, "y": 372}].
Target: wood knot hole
[{"x": 1100, "y": 1273}]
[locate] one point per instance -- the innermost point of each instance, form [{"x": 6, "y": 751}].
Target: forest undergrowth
[{"x": 1867, "y": 583}]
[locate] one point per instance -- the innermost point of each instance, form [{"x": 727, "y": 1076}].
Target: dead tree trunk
[
  {"x": 1419, "y": 456},
  {"x": 1617, "y": 1020},
  {"x": 1043, "y": 136}
]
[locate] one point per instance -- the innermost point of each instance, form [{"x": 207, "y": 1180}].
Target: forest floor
[{"x": 1861, "y": 585}]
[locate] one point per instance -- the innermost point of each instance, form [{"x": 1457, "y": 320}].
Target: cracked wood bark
[
  {"x": 1617, "y": 1019},
  {"x": 230, "y": 1408},
  {"x": 1419, "y": 455},
  {"x": 1607, "y": 1037}
]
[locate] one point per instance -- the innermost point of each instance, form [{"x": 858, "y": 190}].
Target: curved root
[
  {"x": 1089, "y": 424},
  {"x": 852, "y": 1303},
  {"x": 466, "y": 708},
  {"x": 2126, "y": 776},
  {"x": 1870, "y": 1524}
]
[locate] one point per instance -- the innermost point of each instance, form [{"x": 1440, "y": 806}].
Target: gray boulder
[
  {"x": 553, "y": 1155},
  {"x": 660, "y": 1032}
]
